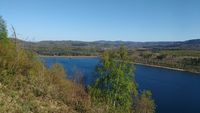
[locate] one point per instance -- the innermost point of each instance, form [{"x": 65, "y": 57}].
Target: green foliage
[
  {"x": 145, "y": 103},
  {"x": 115, "y": 85},
  {"x": 3, "y": 29},
  {"x": 33, "y": 88},
  {"x": 26, "y": 86}
]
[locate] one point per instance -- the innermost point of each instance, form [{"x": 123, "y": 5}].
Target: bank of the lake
[
  {"x": 70, "y": 56},
  {"x": 157, "y": 66},
  {"x": 171, "y": 68}
]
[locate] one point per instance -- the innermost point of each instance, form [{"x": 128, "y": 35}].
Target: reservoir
[{"x": 173, "y": 91}]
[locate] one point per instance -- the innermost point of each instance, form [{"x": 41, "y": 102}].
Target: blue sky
[{"x": 90, "y": 20}]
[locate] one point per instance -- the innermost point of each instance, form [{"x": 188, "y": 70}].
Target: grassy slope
[{"x": 26, "y": 86}]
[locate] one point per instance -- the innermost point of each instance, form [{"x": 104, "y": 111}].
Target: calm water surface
[{"x": 173, "y": 91}]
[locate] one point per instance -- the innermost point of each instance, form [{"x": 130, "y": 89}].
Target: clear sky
[{"x": 90, "y": 20}]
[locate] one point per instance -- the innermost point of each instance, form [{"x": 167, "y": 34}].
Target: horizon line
[{"x": 103, "y": 40}]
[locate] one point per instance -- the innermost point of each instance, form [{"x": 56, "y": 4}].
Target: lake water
[{"x": 173, "y": 91}]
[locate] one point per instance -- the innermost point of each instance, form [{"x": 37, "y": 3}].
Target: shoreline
[
  {"x": 70, "y": 56},
  {"x": 150, "y": 65},
  {"x": 164, "y": 67}
]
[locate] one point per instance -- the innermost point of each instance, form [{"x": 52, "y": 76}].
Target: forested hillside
[{"x": 80, "y": 48}]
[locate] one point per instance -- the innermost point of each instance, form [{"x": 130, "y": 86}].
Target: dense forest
[
  {"x": 27, "y": 86},
  {"x": 183, "y": 55}
]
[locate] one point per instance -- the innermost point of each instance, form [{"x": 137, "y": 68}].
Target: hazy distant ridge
[{"x": 188, "y": 44}]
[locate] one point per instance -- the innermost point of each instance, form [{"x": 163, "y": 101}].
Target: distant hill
[
  {"x": 94, "y": 48},
  {"x": 188, "y": 44}
]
